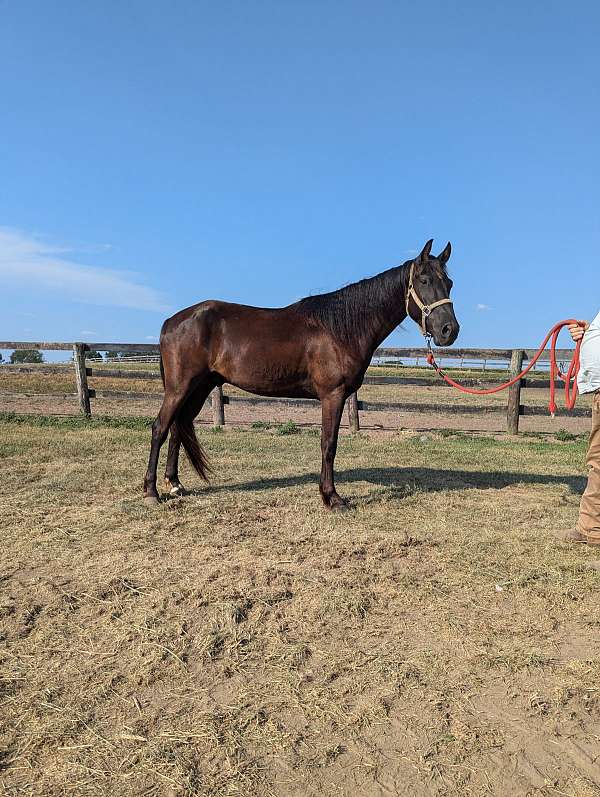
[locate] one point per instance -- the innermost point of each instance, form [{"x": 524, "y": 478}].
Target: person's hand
[{"x": 577, "y": 331}]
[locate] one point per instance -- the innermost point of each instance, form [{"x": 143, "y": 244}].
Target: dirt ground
[
  {"x": 239, "y": 414},
  {"x": 26, "y": 393},
  {"x": 434, "y": 640}
]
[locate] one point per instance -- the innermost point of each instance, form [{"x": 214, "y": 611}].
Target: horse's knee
[{"x": 328, "y": 450}]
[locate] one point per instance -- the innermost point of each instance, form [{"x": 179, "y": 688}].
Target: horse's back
[
  {"x": 262, "y": 350},
  {"x": 270, "y": 351}
]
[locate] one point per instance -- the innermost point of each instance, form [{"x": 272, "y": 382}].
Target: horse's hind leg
[
  {"x": 190, "y": 409},
  {"x": 172, "y": 483},
  {"x": 160, "y": 428}
]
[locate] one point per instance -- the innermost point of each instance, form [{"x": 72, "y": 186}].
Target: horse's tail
[{"x": 195, "y": 452}]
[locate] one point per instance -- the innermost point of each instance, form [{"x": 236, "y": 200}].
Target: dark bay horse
[{"x": 319, "y": 347}]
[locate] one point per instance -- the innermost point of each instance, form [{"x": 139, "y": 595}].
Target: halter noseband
[{"x": 425, "y": 309}]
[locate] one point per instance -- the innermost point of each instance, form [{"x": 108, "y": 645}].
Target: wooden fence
[{"x": 514, "y": 408}]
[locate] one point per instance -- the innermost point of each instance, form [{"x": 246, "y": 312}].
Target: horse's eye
[{"x": 424, "y": 280}]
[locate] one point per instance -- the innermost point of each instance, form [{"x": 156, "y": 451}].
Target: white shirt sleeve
[{"x": 588, "y": 380}]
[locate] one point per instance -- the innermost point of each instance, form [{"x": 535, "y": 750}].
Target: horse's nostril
[{"x": 447, "y": 330}]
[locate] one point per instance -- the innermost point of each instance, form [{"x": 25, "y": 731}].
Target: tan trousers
[{"x": 589, "y": 510}]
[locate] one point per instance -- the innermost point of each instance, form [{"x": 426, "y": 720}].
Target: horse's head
[{"x": 428, "y": 296}]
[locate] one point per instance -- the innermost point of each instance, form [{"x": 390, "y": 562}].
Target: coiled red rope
[{"x": 569, "y": 378}]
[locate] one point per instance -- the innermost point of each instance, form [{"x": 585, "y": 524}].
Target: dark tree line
[
  {"x": 26, "y": 356},
  {"x": 20, "y": 356}
]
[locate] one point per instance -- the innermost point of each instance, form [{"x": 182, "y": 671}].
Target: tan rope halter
[{"x": 426, "y": 309}]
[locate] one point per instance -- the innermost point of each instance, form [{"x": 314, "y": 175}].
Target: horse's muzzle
[{"x": 446, "y": 335}]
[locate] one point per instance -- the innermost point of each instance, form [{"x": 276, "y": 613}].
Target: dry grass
[{"x": 435, "y": 640}]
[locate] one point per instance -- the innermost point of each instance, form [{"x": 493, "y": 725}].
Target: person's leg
[{"x": 588, "y": 524}]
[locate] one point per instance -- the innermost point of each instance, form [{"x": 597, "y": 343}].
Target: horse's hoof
[
  {"x": 175, "y": 489},
  {"x": 339, "y": 506},
  {"x": 151, "y": 500}
]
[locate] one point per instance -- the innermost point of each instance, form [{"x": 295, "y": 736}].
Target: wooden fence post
[
  {"x": 353, "y": 418},
  {"x": 83, "y": 390},
  {"x": 514, "y": 392},
  {"x": 216, "y": 399}
]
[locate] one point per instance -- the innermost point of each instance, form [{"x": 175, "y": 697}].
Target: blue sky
[{"x": 155, "y": 154}]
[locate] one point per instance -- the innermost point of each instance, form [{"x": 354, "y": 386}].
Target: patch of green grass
[
  {"x": 457, "y": 434},
  {"x": 474, "y": 442},
  {"x": 447, "y": 432},
  {"x": 76, "y": 421},
  {"x": 478, "y": 443},
  {"x": 289, "y": 427},
  {"x": 536, "y": 435},
  {"x": 261, "y": 425},
  {"x": 565, "y": 437},
  {"x": 10, "y": 449}
]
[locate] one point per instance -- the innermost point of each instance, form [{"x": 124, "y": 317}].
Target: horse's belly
[
  {"x": 269, "y": 360},
  {"x": 286, "y": 387}
]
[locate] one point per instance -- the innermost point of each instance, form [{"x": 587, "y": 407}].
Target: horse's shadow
[{"x": 406, "y": 480}]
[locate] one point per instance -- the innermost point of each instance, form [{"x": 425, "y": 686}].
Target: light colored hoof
[
  {"x": 174, "y": 489},
  {"x": 151, "y": 500}
]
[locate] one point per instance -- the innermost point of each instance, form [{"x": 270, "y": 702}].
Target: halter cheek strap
[{"x": 426, "y": 309}]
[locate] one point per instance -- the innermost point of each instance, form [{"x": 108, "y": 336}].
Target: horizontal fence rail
[
  {"x": 468, "y": 354},
  {"x": 513, "y": 358},
  {"x": 407, "y": 353},
  {"x": 417, "y": 381}
]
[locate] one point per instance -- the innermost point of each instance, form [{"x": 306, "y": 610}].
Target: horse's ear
[
  {"x": 444, "y": 256},
  {"x": 425, "y": 251}
]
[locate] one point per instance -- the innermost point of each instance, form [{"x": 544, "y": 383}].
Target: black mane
[{"x": 359, "y": 307}]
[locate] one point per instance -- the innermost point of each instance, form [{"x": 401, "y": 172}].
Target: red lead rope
[{"x": 570, "y": 378}]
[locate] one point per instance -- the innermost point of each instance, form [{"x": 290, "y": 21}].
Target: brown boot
[{"x": 575, "y": 536}]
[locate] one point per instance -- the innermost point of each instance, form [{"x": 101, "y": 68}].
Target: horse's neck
[{"x": 387, "y": 316}]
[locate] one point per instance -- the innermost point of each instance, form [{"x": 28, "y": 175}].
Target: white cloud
[
  {"x": 25, "y": 259},
  {"x": 151, "y": 337},
  {"x": 482, "y": 307}
]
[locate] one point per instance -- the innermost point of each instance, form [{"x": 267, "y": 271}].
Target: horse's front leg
[{"x": 332, "y": 407}]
